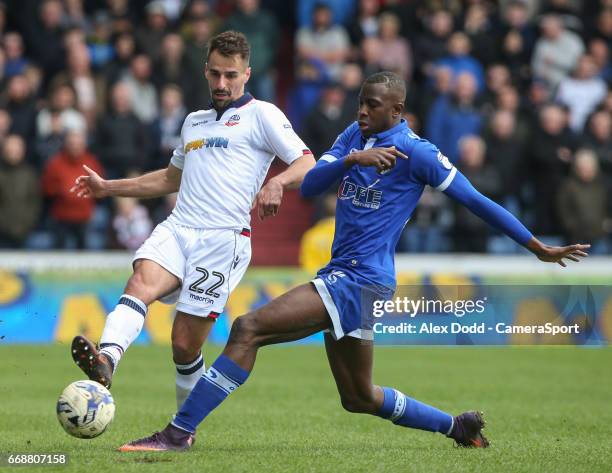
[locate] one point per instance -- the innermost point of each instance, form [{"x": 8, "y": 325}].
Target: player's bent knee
[
  {"x": 136, "y": 287},
  {"x": 183, "y": 351},
  {"x": 354, "y": 405},
  {"x": 243, "y": 331},
  {"x": 358, "y": 404}
]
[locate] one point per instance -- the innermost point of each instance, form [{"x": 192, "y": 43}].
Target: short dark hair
[
  {"x": 391, "y": 80},
  {"x": 230, "y": 43}
]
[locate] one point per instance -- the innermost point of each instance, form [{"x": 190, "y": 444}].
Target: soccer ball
[{"x": 85, "y": 409}]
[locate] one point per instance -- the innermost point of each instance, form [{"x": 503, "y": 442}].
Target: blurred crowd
[{"x": 515, "y": 92}]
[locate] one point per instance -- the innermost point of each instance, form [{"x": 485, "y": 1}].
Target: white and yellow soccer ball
[{"x": 85, "y": 409}]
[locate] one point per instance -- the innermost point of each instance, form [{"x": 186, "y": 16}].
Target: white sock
[
  {"x": 186, "y": 378},
  {"x": 122, "y": 327}
]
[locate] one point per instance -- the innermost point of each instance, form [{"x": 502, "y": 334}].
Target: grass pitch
[{"x": 548, "y": 410}]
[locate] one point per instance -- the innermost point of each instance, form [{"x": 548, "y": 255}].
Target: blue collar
[
  {"x": 401, "y": 126},
  {"x": 246, "y": 98}
]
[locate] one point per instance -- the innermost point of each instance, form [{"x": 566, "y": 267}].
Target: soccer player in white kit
[{"x": 198, "y": 255}]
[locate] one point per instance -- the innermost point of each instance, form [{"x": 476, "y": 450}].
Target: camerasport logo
[{"x": 233, "y": 120}]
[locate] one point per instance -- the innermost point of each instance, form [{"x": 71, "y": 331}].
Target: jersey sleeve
[
  {"x": 278, "y": 136},
  {"x": 178, "y": 155},
  {"x": 340, "y": 148},
  {"x": 430, "y": 166}
]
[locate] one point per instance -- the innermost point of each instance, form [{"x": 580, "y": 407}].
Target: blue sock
[
  {"x": 221, "y": 379},
  {"x": 403, "y": 410}
]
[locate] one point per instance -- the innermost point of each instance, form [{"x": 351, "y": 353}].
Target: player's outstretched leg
[
  {"x": 123, "y": 325},
  {"x": 292, "y": 316},
  {"x": 350, "y": 360}
]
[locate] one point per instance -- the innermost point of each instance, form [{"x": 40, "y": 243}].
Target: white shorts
[{"x": 209, "y": 264}]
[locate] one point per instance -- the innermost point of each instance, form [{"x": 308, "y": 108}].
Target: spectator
[
  {"x": 603, "y": 26},
  {"x": 121, "y": 140},
  {"x": 174, "y": 67},
  {"x": 582, "y": 93},
  {"x": 166, "y": 129},
  {"x": 150, "y": 35},
  {"x": 99, "y": 42},
  {"x": 196, "y": 42},
  {"x": 453, "y": 117},
  {"x": 141, "y": 90},
  {"x": 132, "y": 224},
  {"x": 45, "y": 38},
  {"x": 371, "y": 56},
  {"x": 5, "y": 125},
  {"x": 316, "y": 245},
  {"x": 431, "y": 46},
  {"x": 508, "y": 99},
  {"x": 70, "y": 214},
  {"x": 118, "y": 68},
  {"x": 327, "y": 120},
  {"x": 19, "y": 194},
  {"x": 55, "y": 120},
  {"x": 497, "y": 78},
  {"x": 75, "y": 16},
  {"x": 516, "y": 21},
  {"x": 340, "y": 10},
  {"x": 582, "y": 204},
  {"x": 600, "y": 53},
  {"x": 261, "y": 30},
  {"x": 459, "y": 59},
  {"x": 351, "y": 80},
  {"x": 470, "y": 232},
  {"x": 480, "y": 31},
  {"x": 556, "y": 52},
  {"x": 196, "y": 50},
  {"x": 504, "y": 152},
  {"x": 323, "y": 41},
  {"x": 598, "y": 137},
  {"x": 550, "y": 152},
  {"x": 442, "y": 87},
  {"x": 122, "y": 16},
  {"x": 62, "y": 101},
  {"x": 365, "y": 23},
  {"x": 397, "y": 56},
  {"x": 21, "y": 107},
  {"x": 16, "y": 62},
  {"x": 515, "y": 55}
]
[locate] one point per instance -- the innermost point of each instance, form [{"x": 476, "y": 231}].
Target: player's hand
[
  {"x": 90, "y": 186},
  {"x": 383, "y": 159},
  {"x": 557, "y": 254},
  {"x": 268, "y": 199}
]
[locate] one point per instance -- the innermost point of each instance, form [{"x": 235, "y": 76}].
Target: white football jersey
[{"x": 225, "y": 158}]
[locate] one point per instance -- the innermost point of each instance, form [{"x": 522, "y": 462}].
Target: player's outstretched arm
[
  {"x": 150, "y": 185},
  {"x": 462, "y": 191},
  {"x": 270, "y": 196}
]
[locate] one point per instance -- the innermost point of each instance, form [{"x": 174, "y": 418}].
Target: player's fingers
[
  {"x": 580, "y": 253},
  {"x": 398, "y": 153},
  {"x": 562, "y": 263},
  {"x": 573, "y": 258},
  {"x": 384, "y": 163}
]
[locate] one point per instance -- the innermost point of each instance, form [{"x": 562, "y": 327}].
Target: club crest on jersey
[
  {"x": 444, "y": 161},
  {"x": 233, "y": 120},
  {"x": 214, "y": 142},
  {"x": 360, "y": 196}
]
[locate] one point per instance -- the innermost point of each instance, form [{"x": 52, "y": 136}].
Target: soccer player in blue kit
[{"x": 383, "y": 168}]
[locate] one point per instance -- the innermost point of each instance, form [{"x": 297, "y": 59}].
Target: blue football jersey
[{"x": 373, "y": 208}]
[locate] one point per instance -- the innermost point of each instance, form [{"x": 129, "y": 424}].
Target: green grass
[{"x": 548, "y": 410}]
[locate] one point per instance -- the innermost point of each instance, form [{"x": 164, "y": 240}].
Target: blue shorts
[{"x": 348, "y": 298}]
